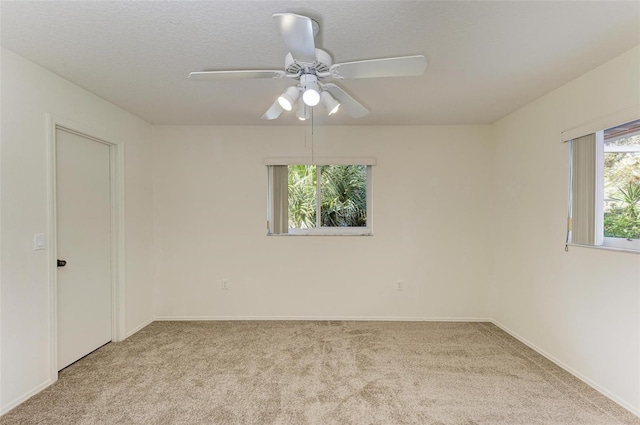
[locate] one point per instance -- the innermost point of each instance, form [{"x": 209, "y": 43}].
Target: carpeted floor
[{"x": 298, "y": 373}]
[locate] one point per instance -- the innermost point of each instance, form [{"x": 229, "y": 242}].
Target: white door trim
[{"x": 116, "y": 159}]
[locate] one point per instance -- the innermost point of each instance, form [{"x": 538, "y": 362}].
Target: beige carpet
[{"x": 318, "y": 373}]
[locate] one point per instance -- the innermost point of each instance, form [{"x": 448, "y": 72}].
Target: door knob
[{"x": 62, "y": 263}]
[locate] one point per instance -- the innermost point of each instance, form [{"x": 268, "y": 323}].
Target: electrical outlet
[
  {"x": 399, "y": 286},
  {"x": 224, "y": 285}
]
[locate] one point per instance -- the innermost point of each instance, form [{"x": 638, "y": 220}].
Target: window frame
[
  {"x": 323, "y": 230},
  {"x": 601, "y": 124}
]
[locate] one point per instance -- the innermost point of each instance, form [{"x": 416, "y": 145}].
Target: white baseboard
[
  {"x": 330, "y": 318},
  {"x": 569, "y": 369},
  {"x": 140, "y": 327},
  {"x": 7, "y": 408}
]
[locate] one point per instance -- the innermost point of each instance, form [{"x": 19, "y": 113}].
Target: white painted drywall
[
  {"x": 431, "y": 201},
  {"x": 438, "y": 216},
  {"x": 581, "y": 307},
  {"x": 28, "y": 93}
]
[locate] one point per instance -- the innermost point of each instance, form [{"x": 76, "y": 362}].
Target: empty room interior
[{"x": 322, "y": 212}]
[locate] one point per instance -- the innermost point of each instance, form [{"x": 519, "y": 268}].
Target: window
[
  {"x": 605, "y": 188},
  {"x": 621, "y": 185},
  {"x": 319, "y": 199}
]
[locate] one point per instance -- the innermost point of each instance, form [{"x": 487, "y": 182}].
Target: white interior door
[{"x": 83, "y": 212}]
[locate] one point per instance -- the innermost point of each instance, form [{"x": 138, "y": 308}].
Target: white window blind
[
  {"x": 582, "y": 212},
  {"x": 280, "y": 192}
]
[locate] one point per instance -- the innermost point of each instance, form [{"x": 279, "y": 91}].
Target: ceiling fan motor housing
[{"x": 322, "y": 64}]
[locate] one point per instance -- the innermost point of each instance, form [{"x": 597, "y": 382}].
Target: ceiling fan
[{"x": 311, "y": 66}]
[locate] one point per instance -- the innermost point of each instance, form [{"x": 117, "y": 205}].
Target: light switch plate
[{"x": 38, "y": 241}]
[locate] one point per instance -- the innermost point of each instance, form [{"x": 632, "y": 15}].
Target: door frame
[{"x": 116, "y": 168}]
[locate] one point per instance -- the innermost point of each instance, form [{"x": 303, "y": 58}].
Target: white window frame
[
  {"x": 324, "y": 231},
  {"x": 601, "y": 149}
]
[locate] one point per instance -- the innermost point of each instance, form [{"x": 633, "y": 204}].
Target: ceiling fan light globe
[
  {"x": 285, "y": 103},
  {"x": 303, "y": 112},
  {"x": 310, "y": 89},
  {"x": 311, "y": 97},
  {"x": 288, "y": 98},
  {"x": 329, "y": 102}
]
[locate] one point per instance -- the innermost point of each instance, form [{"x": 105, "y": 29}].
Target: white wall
[
  {"x": 431, "y": 194},
  {"x": 28, "y": 92},
  {"x": 581, "y": 307},
  {"x": 471, "y": 218}
]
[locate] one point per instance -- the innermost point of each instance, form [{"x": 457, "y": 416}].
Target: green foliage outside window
[
  {"x": 343, "y": 196},
  {"x": 622, "y": 190},
  {"x": 623, "y": 218},
  {"x": 302, "y": 196}
]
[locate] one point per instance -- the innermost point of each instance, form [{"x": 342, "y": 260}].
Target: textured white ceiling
[{"x": 485, "y": 59}]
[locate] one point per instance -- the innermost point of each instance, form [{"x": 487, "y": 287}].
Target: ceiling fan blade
[
  {"x": 388, "y": 67},
  {"x": 273, "y": 112},
  {"x": 348, "y": 103},
  {"x": 298, "y": 34},
  {"x": 236, "y": 75}
]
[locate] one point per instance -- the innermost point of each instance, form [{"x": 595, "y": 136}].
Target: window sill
[{"x": 606, "y": 248}]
